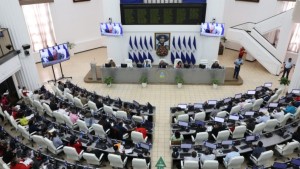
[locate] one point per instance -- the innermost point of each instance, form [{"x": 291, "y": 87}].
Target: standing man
[
  {"x": 287, "y": 67},
  {"x": 238, "y": 62}
]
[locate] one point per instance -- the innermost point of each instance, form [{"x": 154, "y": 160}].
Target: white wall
[
  {"x": 207, "y": 47},
  {"x": 77, "y": 23},
  {"x": 9, "y": 68},
  {"x": 238, "y": 12}
]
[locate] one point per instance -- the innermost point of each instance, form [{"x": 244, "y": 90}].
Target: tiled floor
[{"x": 162, "y": 96}]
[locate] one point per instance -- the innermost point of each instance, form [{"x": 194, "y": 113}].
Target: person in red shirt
[
  {"x": 15, "y": 164},
  {"x": 14, "y": 112},
  {"x": 4, "y": 102},
  {"x": 76, "y": 144},
  {"x": 242, "y": 52},
  {"x": 142, "y": 130}
]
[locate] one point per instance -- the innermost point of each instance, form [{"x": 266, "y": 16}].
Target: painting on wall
[
  {"x": 162, "y": 43},
  {"x": 248, "y": 0}
]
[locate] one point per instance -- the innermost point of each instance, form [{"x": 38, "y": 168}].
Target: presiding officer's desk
[
  {"x": 163, "y": 75},
  {"x": 267, "y": 142}
]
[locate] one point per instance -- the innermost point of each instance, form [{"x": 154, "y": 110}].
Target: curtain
[
  {"x": 28, "y": 2},
  {"x": 39, "y": 24}
]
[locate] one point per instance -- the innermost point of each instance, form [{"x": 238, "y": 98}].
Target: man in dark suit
[{"x": 258, "y": 150}]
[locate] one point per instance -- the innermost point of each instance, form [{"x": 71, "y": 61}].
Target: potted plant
[
  {"x": 71, "y": 48},
  {"x": 284, "y": 82},
  {"x": 108, "y": 81},
  {"x": 215, "y": 83},
  {"x": 144, "y": 80},
  {"x": 179, "y": 81}
]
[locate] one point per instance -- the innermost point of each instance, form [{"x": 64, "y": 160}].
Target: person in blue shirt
[
  {"x": 238, "y": 62},
  {"x": 258, "y": 150},
  {"x": 232, "y": 154},
  {"x": 290, "y": 108}
]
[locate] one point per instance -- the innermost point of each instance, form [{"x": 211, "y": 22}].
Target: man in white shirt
[
  {"x": 287, "y": 68},
  {"x": 207, "y": 156},
  {"x": 263, "y": 118},
  {"x": 232, "y": 154},
  {"x": 278, "y": 114}
]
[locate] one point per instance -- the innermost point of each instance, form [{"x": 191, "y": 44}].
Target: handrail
[
  {"x": 265, "y": 48},
  {"x": 241, "y": 24},
  {"x": 274, "y": 16},
  {"x": 263, "y": 37}
]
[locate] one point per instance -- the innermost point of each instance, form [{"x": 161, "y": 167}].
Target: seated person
[
  {"x": 75, "y": 144},
  {"x": 112, "y": 63},
  {"x": 36, "y": 95},
  {"x": 66, "y": 89},
  {"x": 207, "y": 156},
  {"x": 258, "y": 150},
  {"x": 251, "y": 124},
  {"x": 193, "y": 157},
  {"x": 178, "y": 112},
  {"x": 141, "y": 129},
  {"x": 290, "y": 108},
  {"x": 177, "y": 136},
  {"x": 263, "y": 118},
  {"x": 97, "y": 153},
  {"x": 98, "y": 102},
  {"x": 162, "y": 64},
  {"x": 179, "y": 65},
  {"x": 147, "y": 64},
  {"x": 234, "y": 153},
  {"x": 120, "y": 130},
  {"x": 216, "y": 65},
  {"x": 32, "y": 127},
  {"x": 216, "y": 129},
  {"x": 296, "y": 135},
  {"x": 53, "y": 104},
  {"x": 105, "y": 124},
  {"x": 56, "y": 140},
  {"x": 73, "y": 116},
  {"x": 277, "y": 114},
  {"x": 25, "y": 92},
  {"x": 116, "y": 148},
  {"x": 15, "y": 113},
  {"x": 8, "y": 154},
  {"x": 60, "y": 86},
  {"x": 83, "y": 98},
  {"x": 88, "y": 119},
  {"x": 17, "y": 163}
]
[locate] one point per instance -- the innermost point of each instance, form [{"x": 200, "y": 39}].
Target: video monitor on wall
[
  {"x": 212, "y": 29},
  {"x": 55, "y": 54},
  {"x": 111, "y": 29}
]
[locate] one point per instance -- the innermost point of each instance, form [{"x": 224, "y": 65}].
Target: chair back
[
  {"x": 38, "y": 106},
  {"x": 115, "y": 160},
  {"x": 222, "y": 114},
  {"x": 236, "y": 162},
  {"x": 183, "y": 117},
  {"x": 70, "y": 97},
  {"x": 200, "y": 116},
  {"x": 235, "y": 109},
  {"x": 108, "y": 110},
  {"x": 257, "y": 103},
  {"x": 290, "y": 148},
  {"x": 279, "y": 91},
  {"x": 201, "y": 137},
  {"x": 38, "y": 140},
  {"x": 68, "y": 121},
  {"x": 273, "y": 98},
  {"x": 13, "y": 122},
  {"x": 59, "y": 93},
  {"x": 149, "y": 62},
  {"x": 138, "y": 119},
  {"x": 137, "y": 137},
  {"x": 270, "y": 125},
  {"x": 265, "y": 157},
  {"x": 128, "y": 62},
  {"x": 223, "y": 135},
  {"x": 284, "y": 120},
  {"x": 71, "y": 153},
  {"x": 82, "y": 125},
  {"x": 176, "y": 61},
  {"x": 259, "y": 128},
  {"x": 138, "y": 163},
  {"x": 189, "y": 164},
  {"x": 47, "y": 109},
  {"x": 50, "y": 146},
  {"x": 7, "y": 116},
  {"x": 58, "y": 117},
  {"x": 297, "y": 114},
  {"x": 99, "y": 131},
  {"x": 210, "y": 164},
  {"x": 247, "y": 107},
  {"x": 24, "y": 132},
  {"x": 91, "y": 158},
  {"x": 239, "y": 132},
  {"x": 77, "y": 102},
  {"x": 121, "y": 114},
  {"x": 92, "y": 106}
]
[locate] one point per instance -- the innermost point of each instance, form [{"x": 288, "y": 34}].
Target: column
[
  {"x": 295, "y": 80},
  {"x": 11, "y": 17}
]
